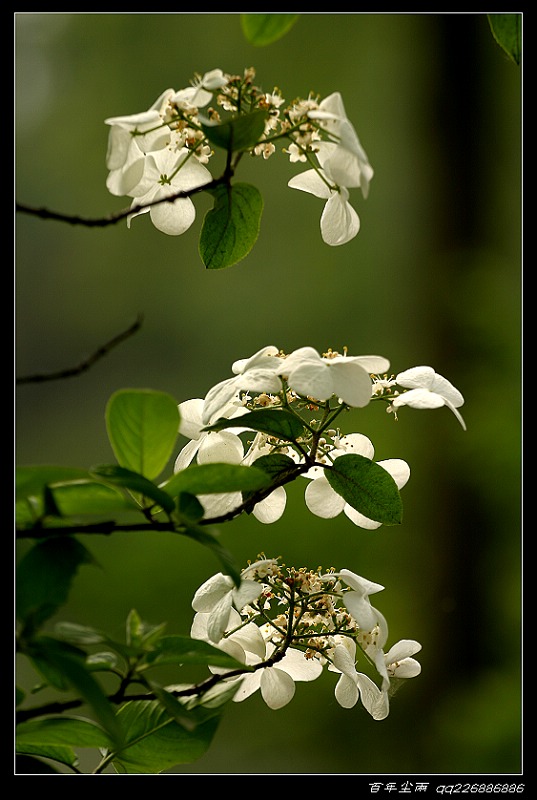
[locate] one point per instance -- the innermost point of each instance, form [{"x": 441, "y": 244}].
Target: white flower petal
[
  {"x": 322, "y": 500},
  {"x": 346, "y": 692},
  {"x": 249, "y": 684},
  {"x": 217, "y": 398},
  {"x": 251, "y": 640},
  {"x": 221, "y": 447},
  {"x": 339, "y": 221},
  {"x": 299, "y": 667},
  {"x": 351, "y": 382},
  {"x": 277, "y": 687},
  {"x": 310, "y": 182},
  {"x": 212, "y": 591},
  {"x": 360, "y": 520},
  {"x": 398, "y": 469},
  {"x": 272, "y": 507},
  {"x": 356, "y": 443},
  {"x": 402, "y": 649},
  {"x": 190, "y": 423},
  {"x": 246, "y": 593},
  {"x": 173, "y": 218},
  {"x": 218, "y": 618},
  {"x": 186, "y": 455},
  {"x": 373, "y": 700},
  {"x": 343, "y": 660},
  {"x": 419, "y": 398}
]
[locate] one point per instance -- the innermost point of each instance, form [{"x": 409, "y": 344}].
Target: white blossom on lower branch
[{"x": 287, "y": 624}]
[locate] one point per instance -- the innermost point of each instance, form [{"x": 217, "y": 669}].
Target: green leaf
[
  {"x": 31, "y": 481},
  {"x": 215, "y": 479},
  {"x": 275, "y": 422},
  {"x": 239, "y": 133},
  {"x": 207, "y": 539},
  {"x": 230, "y": 229},
  {"x": 88, "y": 498},
  {"x": 70, "y": 663},
  {"x": 184, "y": 650},
  {"x": 263, "y": 29},
  {"x": 140, "y": 634},
  {"x": 367, "y": 487},
  {"x": 136, "y": 483},
  {"x": 277, "y": 466},
  {"x": 142, "y": 427},
  {"x": 60, "y": 731},
  {"x": 158, "y": 742},
  {"x": 63, "y": 755},
  {"x": 507, "y": 31},
  {"x": 44, "y": 578}
]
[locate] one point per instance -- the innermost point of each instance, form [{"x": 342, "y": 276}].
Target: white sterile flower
[
  {"x": 353, "y": 685},
  {"x": 321, "y": 377},
  {"x": 201, "y": 92},
  {"x": 276, "y": 683},
  {"x": 428, "y": 389},
  {"x": 397, "y": 663},
  {"x": 339, "y": 221},
  {"x": 167, "y": 173},
  {"x": 215, "y": 599},
  {"x": 325, "y": 502},
  {"x": 210, "y": 447},
  {"x": 358, "y": 604},
  {"x": 129, "y": 139},
  {"x": 250, "y": 645},
  {"x": 347, "y": 162},
  {"x": 256, "y": 374},
  {"x": 191, "y": 425}
]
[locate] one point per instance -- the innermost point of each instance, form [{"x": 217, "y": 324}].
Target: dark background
[{"x": 433, "y": 277}]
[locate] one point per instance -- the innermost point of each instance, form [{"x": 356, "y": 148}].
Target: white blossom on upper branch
[{"x": 151, "y": 154}]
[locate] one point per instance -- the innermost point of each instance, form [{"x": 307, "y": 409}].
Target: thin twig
[
  {"x": 102, "y": 351},
  {"x": 111, "y": 219}
]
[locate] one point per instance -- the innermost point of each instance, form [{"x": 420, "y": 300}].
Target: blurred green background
[{"x": 433, "y": 277}]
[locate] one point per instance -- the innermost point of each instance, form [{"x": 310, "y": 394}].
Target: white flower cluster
[
  {"x": 162, "y": 152},
  {"x": 303, "y": 380},
  {"x": 287, "y": 624}
]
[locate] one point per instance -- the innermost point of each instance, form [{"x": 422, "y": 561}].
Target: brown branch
[
  {"x": 102, "y": 351},
  {"x": 111, "y": 219}
]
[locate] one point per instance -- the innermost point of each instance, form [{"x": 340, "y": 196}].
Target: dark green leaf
[
  {"x": 136, "y": 483},
  {"x": 189, "y": 507},
  {"x": 141, "y": 634},
  {"x": 60, "y": 731},
  {"x": 215, "y": 479},
  {"x": 71, "y": 665},
  {"x": 263, "y": 29},
  {"x": 142, "y": 426},
  {"x": 367, "y": 487},
  {"x": 207, "y": 539},
  {"x": 278, "y": 466},
  {"x": 184, "y": 650},
  {"x": 31, "y": 481},
  {"x": 230, "y": 229},
  {"x": 279, "y": 423},
  {"x": 44, "y": 578},
  {"x": 240, "y": 133},
  {"x": 158, "y": 742},
  {"x": 86, "y": 497},
  {"x": 507, "y": 30},
  {"x": 63, "y": 755}
]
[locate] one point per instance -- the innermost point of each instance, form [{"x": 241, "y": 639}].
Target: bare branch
[
  {"x": 85, "y": 365},
  {"x": 111, "y": 219}
]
